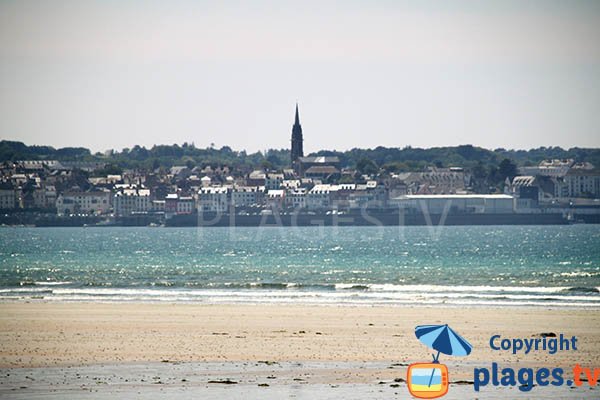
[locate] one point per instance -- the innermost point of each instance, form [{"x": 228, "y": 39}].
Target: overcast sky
[{"x": 111, "y": 74}]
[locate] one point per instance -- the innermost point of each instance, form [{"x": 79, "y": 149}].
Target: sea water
[{"x": 556, "y": 266}]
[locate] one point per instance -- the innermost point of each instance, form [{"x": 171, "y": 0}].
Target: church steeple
[{"x": 297, "y": 139}]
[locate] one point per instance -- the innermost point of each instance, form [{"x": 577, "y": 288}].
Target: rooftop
[{"x": 454, "y": 196}]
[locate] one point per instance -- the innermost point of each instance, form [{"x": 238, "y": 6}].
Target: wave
[
  {"x": 582, "y": 290},
  {"x": 52, "y": 283},
  {"x": 340, "y": 293},
  {"x": 351, "y": 286}
]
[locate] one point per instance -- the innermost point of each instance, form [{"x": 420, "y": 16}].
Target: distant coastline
[{"x": 389, "y": 218}]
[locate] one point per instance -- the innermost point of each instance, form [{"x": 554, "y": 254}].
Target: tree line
[{"x": 491, "y": 164}]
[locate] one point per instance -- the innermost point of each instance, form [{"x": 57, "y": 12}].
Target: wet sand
[
  {"x": 347, "y": 347},
  {"x": 231, "y": 380}
]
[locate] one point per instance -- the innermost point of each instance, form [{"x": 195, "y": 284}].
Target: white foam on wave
[
  {"x": 388, "y": 287},
  {"x": 52, "y": 283},
  {"x": 376, "y": 294}
]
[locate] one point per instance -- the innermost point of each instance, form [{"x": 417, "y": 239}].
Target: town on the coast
[{"x": 72, "y": 192}]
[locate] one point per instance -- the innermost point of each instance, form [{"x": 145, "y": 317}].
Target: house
[
  {"x": 205, "y": 181},
  {"x": 319, "y": 197},
  {"x": 87, "y": 203},
  {"x": 186, "y": 205},
  {"x": 256, "y": 178},
  {"x": 128, "y": 201},
  {"x": 323, "y": 172},
  {"x": 8, "y": 197},
  {"x": 214, "y": 199},
  {"x": 578, "y": 182},
  {"x": 552, "y": 168},
  {"x": 275, "y": 198},
  {"x": 246, "y": 196},
  {"x": 296, "y": 198},
  {"x": 180, "y": 173},
  {"x": 304, "y": 163},
  {"x": 170, "y": 205},
  {"x": 273, "y": 181},
  {"x": 368, "y": 195},
  {"x": 432, "y": 181}
]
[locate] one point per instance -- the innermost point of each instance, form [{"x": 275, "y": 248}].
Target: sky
[{"x": 116, "y": 73}]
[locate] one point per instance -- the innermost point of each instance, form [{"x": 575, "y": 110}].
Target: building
[
  {"x": 456, "y": 203},
  {"x": 50, "y": 196},
  {"x": 273, "y": 181},
  {"x": 578, "y": 182},
  {"x": 88, "y": 203},
  {"x": 214, "y": 199},
  {"x": 180, "y": 172},
  {"x": 432, "y": 181},
  {"x": 8, "y": 198},
  {"x": 297, "y": 139},
  {"x": 323, "y": 173},
  {"x": 128, "y": 201},
  {"x": 369, "y": 195},
  {"x": 553, "y": 168},
  {"x": 256, "y": 178},
  {"x": 186, "y": 205},
  {"x": 296, "y": 197},
  {"x": 170, "y": 205},
  {"x": 157, "y": 206},
  {"x": 246, "y": 196},
  {"x": 320, "y": 197},
  {"x": 305, "y": 163},
  {"x": 275, "y": 198}
]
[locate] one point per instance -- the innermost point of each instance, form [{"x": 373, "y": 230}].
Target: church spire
[{"x": 297, "y": 139}]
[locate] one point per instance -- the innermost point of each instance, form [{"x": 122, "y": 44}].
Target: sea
[{"x": 545, "y": 266}]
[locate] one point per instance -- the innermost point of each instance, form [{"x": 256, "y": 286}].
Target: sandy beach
[
  {"x": 328, "y": 345},
  {"x": 69, "y": 334}
]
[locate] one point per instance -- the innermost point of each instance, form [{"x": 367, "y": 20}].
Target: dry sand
[{"x": 39, "y": 334}]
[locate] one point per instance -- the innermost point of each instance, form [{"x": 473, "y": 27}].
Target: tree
[
  {"x": 507, "y": 169},
  {"x": 109, "y": 169},
  {"x": 366, "y": 166}
]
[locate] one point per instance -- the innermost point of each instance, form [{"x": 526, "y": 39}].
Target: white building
[
  {"x": 245, "y": 196},
  {"x": 170, "y": 205},
  {"x": 432, "y": 181},
  {"x": 578, "y": 182},
  {"x": 205, "y": 181},
  {"x": 319, "y": 197},
  {"x": 50, "y": 196},
  {"x": 553, "y": 168},
  {"x": 214, "y": 199},
  {"x": 131, "y": 200},
  {"x": 186, "y": 205},
  {"x": 462, "y": 203},
  {"x": 83, "y": 203},
  {"x": 296, "y": 198},
  {"x": 273, "y": 181},
  {"x": 8, "y": 198},
  {"x": 276, "y": 197}
]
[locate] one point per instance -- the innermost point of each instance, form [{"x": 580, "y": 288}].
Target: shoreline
[{"x": 495, "y": 306}]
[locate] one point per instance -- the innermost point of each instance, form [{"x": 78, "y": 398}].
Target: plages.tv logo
[{"x": 430, "y": 380}]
